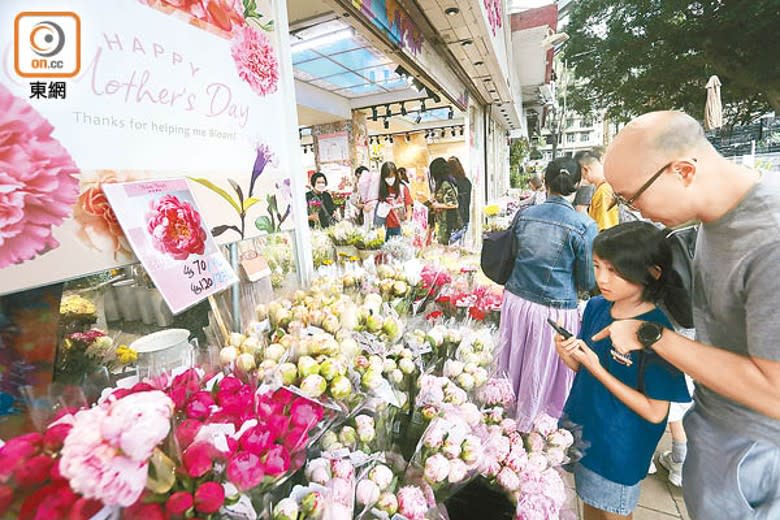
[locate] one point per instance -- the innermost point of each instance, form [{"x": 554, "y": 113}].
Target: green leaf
[
  {"x": 250, "y": 7},
  {"x": 238, "y": 191},
  {"x": 264, "y": 224},
  {"x": 218, "y": 230},
  {"x": 251, "y": 201},
  {"x": 219, "y": 191}
]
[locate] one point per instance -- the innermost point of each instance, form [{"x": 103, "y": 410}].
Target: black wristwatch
[{"x": 649, "y": 333}]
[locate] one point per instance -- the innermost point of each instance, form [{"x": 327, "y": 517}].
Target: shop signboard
[
  {"x": 97, "y": 93},
  {"x": 164, "y": 227}
]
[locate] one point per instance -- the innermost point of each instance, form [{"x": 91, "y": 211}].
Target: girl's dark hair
[
  {"x": 440, "y": 172},
  {"x": 388, "y": 169},
  {"x": 633, "y": 249},
  {"x": 562, "y": 176},
  {"x": 402, "y": 175},
  {"x": 316, "y": 176},
  {"x": 456, "y": 168}
]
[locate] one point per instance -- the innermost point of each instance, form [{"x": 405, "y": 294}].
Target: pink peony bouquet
[
  {"x": 159, "y": 449},
  {"x": 449, "y": 454},
  {"x": 525, "y": 466}
]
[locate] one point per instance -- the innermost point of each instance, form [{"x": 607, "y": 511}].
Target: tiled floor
[{"x": 659, "y": 499}]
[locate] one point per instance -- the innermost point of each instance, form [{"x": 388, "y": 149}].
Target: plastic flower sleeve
[{"x": 448, "y": 455}]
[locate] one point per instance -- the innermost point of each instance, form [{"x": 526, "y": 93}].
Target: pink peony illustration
[
  {"x": 98, "y": 225},
  {"x": 175, "y": 228},
  {"x": 255, "y": 60},
  {"x": 38, "y": 183}
]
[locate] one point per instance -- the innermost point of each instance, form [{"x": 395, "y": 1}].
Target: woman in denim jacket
[{"x": 552, "y": 262}]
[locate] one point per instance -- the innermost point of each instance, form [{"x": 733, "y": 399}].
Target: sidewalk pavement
[{"x": 659, "y": 499}]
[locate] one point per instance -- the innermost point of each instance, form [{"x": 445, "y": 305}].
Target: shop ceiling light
[
  {"x": 403, "y": 109},
  {"x": 373, "y": 114},
  {"x": 323, "y": 39},
  {"x": 478, "y": 63},
  {"x": 422, "y": 106},
  {"x": 391, "y": 139},
  {"x": 450, "y": 114},
  {"x": 451, "y": 11},
  {"x": 466, "y": 43},
  {"x": 418, "y": 86},
  {"x": 388, "y": 112},
  {"x": 387, "y": 123},
  {"x": 418, "y": 118}
]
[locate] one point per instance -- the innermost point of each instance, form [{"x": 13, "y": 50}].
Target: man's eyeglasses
[{"x": 629, "y": 202}]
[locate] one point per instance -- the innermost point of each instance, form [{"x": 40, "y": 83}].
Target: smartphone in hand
[{"x": 560, "y": 330}]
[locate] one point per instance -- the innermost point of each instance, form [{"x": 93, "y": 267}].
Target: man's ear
[
  {"x": 686, "y": 170},
  {"x": 655, "y": 272}
]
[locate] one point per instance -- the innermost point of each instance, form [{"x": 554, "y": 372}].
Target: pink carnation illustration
[
  {"x": 255, "y": 60},
  {"x": 38, "y": 183},
  {"x": 493, "y": 8},
  {"x": 175, "y": 228}
]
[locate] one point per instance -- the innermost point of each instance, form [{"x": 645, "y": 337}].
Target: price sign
[{"x": 163, "y": 225}]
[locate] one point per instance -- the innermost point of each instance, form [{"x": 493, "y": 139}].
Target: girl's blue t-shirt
[{"x": 615, "y": 441}]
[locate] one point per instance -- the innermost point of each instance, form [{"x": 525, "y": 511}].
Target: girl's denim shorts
[{"x": 596, "y": 491}]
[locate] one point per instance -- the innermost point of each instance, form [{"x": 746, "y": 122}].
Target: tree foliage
[{"x": 642, "y": 55}]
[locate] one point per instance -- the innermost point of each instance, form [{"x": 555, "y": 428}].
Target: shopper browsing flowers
[
  {"x": 620, "y": 403},
  {"x": 395, "y": 201}
]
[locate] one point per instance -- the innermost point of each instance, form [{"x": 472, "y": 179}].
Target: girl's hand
[
  {"x": 314, "y": 217},
  {"x": 585, "y": 356},
  {"x": 565, "y": 347}
]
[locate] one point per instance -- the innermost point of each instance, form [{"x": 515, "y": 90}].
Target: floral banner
[
  {"x": 164, "y": 228},
  {"x": 393, "y": 20},
  {"x": 166, "y": 89}
]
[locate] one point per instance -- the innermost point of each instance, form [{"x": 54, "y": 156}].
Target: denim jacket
[{"x": 553, "y": 254}]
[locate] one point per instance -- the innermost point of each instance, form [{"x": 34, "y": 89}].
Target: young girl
[
  {"x": 620, "y": 404},
  {"x": 397, "y": 197}
]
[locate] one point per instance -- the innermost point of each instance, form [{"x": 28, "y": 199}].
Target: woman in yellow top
[{"x": 600, "y": 205}]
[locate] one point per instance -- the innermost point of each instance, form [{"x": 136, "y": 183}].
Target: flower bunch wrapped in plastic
[
  {"x": 344, "y": 233},
  {"x": 321, "y": 248},
  {"x": 358, "y": 433},
  {"x": 448, "y": 455},
  {"x": 82, "y": 353},
  {"x": 525, "y": 466},
  {"x": 399, "y": 249},
  {"x": 371, "y": 240},
  {"x": 480, "y": 304}
]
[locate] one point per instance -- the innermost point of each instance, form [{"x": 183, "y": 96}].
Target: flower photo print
[{"x": 175, "y": 227}]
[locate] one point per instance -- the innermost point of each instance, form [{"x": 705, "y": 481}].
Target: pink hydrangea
[
  {"x": 411, "y": 503},
  {"x": 38, "y": 183},
  {"x": 175, "y": 227},
  {"x": 255, "y": 60}
]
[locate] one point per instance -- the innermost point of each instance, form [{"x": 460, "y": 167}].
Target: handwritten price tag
[{"x": 180, "y": 255}]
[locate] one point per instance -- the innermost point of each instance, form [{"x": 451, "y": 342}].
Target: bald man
[{"x": 662, "y": 165}]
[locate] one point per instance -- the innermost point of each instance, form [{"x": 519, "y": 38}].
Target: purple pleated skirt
[{"x": 540, "y": 378}]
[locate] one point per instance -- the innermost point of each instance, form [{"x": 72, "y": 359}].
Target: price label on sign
[{"x": 170, "y": 239}]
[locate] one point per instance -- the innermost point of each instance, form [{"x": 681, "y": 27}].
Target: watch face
[{"x": 649, "y": 333}]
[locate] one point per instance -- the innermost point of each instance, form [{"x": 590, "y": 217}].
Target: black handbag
[{"x": 498, "y": 258}]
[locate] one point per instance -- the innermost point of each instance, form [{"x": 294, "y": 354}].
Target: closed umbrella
[{"x": 713, "y": 109}]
